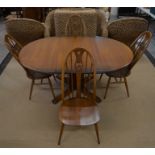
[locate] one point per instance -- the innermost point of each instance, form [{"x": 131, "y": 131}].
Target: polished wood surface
[{"x": 47, "y": 54}]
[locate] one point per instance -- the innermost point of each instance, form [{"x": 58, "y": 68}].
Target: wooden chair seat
[{"x": 79, "y": 111}]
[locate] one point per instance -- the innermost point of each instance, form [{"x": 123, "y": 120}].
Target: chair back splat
[{"x": 80, "y": 69}]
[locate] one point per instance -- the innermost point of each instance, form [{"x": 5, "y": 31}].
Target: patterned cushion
[
  {"x": 75, "y": 26},
  {"x": 101, "y": 23},
  {"x": 49, "y": 25},
  {"x": 25, "y": 30},
  {"x": 61, "y": 17},
  {"x": 127, "y": 30}
]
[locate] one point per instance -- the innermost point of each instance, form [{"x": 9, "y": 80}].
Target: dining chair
[
  {"x": 14, "y": 48},
  {"x": 126, "y": 30},
  {"x": 75, "y": 26},
  {"x": 25, "y": 30},
  {"x": 138, "y": 47},
  {"x": 94, "y": 19},
  {"x": 79, "y": 108}
]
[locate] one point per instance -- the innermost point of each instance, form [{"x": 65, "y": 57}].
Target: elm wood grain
[
  {"x": 46, "y": 55},
  {"x": 73, "y": 113}
]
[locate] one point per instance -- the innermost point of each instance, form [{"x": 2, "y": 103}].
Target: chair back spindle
[
  {"x": 13, "y": 46},
  {"x": 139, "y": 46}
]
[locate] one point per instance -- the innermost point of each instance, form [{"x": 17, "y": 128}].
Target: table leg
[{"x": 72, "y": 85}]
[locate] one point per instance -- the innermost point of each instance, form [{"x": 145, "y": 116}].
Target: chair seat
[
  {"x": 124, "y": 72},
  {"x": 79, "y": 111},
  {"x": 36, "y": 74}
]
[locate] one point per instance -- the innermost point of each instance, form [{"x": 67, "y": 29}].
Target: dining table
[{"x": 47, "y": 54}]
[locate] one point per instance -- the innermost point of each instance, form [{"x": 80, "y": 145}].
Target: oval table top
[{"x": 47, "y": 54}]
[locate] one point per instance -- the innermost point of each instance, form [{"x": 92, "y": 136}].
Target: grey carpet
[
  {"x": 4, "y": 54},
  {"x": 3, "y": 50}
]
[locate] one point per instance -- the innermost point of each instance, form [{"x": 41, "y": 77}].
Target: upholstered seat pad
[
  {"x": 123, "y": 72},
  {"x": 35, "y": 74},
  {"x": 25, "y": 30},
  {"x": 79, "y": 111},
  {"x": 61, "y": 17}
]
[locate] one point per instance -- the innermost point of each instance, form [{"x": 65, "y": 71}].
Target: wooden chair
[
  {"x": 79, "y": 107},
  {"x": 126, "y": 30},
  {"x": 94, "y": 19},
  {"x": 14, "y": 48},
  {"x": 138, "y": 47},
  {"x": 75, "y": 26}
]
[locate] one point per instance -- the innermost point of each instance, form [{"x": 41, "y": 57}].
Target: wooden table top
[{"x": 47, "y": 54}]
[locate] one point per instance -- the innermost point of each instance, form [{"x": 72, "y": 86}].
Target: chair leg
[
  {"x": 61, "y": 132},
  {"x": 31, "y": 89},
  {"x": 41, "y": 81},
  {"x": 116, "y": 80},
  {"x": 108, "y": 83},
  {"x": 100, "y": 76},
  {"x": 55, "y": 79},
  {"x": 120, "y": 80},
  {"x": 51, "y": 86},
  {"x": 126, "y": 85},
  {"x": 97, "y": 133}
]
